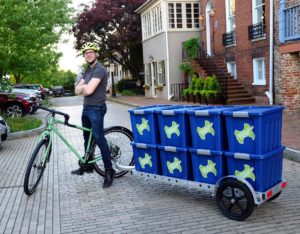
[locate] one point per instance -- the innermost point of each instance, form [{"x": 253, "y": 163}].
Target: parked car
[
  {"x": 13, "y": 105},
  {"x": 58, "y": 91},
  {"x": 37, "y": 87},
  {"x": 4, "y": 130},
  {"x": 34, "y": 101}
]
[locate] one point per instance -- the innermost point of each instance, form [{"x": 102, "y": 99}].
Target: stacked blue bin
[
  {"x": 146, "y": 137},
  {"x": 254, "y": 151},
  {"x": 175, "y": 139},
  {"x": 207, "y": 127}
]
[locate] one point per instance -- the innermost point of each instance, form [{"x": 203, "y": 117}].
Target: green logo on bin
[
  {"x": 143, "y": 126},
  {"x": 206, "y": 129},
  {"x": 246, "y": 173},
  {"x": 173, "y": 129},
  {"x": 246, "y": 132},
  {"x": 145, "y": 161},
  {"x": 209, "y": 168},
  {"x": 176, "y": 164}
]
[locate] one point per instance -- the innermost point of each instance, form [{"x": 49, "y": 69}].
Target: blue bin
[
  {"x": 261, "y": 171},
  {"x": 176, "y": 162},
  {"x": 208, "y": 165},
  {"x": 208, "y": 127},
  {"x": 146, "y": 157},
  {"x": 144, "y": 124},
  {"x": 254, "y": 129},
  {"x": 174, "y": 127}
]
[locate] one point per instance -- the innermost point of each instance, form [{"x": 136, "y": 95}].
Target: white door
[
  {"x": 153, "y": 79},
  {"x": 207, "y": 17}
]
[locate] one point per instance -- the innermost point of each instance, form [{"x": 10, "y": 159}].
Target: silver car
[{"x": 4, "y": 130}]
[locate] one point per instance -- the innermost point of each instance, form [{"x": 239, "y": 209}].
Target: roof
[{"x": 144, "y": 6}]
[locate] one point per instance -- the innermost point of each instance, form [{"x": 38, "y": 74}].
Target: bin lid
[
  {"x": 246, "y": 156},
  {"x": 179, "y": 109},
  {"x": 172, "y": 148},
  {"x": 148, "y": 109},
  {"x": 143, "y": 145},
  {"x": 211, "y": 110},
  {"x": 205, "y": 152},
  {"x": 247, "y": 111}
]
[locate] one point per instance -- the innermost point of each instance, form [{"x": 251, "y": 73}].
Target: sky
[{"x": 71, "y": 60}]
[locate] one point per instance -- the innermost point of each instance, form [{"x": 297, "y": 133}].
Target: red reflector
[
  {"x": 283, "y": 185},
  {"x": 269, "y": 194}
]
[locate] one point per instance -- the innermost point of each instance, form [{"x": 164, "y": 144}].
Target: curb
[
  {"x": 290, "y": 154},
  {"x": 29, "y": 133}
]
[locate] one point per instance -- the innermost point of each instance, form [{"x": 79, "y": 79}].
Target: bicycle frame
[{"x": 52, "y": 129}]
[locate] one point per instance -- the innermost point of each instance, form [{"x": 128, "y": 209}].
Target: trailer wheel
[{"x": 235, "y": 200}]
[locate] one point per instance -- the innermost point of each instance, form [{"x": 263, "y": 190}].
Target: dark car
[
  {"x": 58, "y": 91},
  {"x": 13, "y": 105},
  {"x": 37, "y": 87}
]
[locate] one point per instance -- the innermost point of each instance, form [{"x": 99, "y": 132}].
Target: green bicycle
[{"x": 118, "y": 139}]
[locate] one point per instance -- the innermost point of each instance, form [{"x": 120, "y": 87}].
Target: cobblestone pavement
[{"x": 64, "y": 203}]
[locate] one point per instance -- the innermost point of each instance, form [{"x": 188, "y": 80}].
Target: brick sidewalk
[
  {"x": 64, "y": 203},
  {"x": 290, "y": 124}
]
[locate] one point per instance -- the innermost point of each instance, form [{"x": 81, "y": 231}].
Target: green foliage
[
  {"x": 29, "y": 31},
  {"x": 186, "y": 92},
  {"x": 186, "y": 68},
  {"x": 126, "y": 92},
  {"x": 191, "y": 47},
  {"x": 212, "y": 83},
  {"x": 5, "y": 85},
  {"x": 125, "y": 84},
  {"x": 18, "y": 124}
]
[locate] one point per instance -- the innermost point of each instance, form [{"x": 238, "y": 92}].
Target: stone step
[{"x": 239, "y": 101}]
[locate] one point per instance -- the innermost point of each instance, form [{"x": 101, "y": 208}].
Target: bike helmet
[{"x": 89, "y": 46}]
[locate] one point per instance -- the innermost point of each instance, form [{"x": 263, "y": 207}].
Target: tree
[
  {"x": 28, "y": 32},
  {"x": 116, "y": 28}
]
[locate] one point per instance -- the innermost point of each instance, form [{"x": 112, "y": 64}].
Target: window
[
  {"x": 175, "y": 15},
  {"x": 152, "y": 22},
  {"x": 161, "y": 72},
  {"x": 230, "y": 15},
  {"x": 231, "y": 67},
  {"x": 192, "y": 15},
  {"x": 258, "y": 11},
  {"x": 183, "y": 16},
  {"x": 259, "y": 71},
  {"x": 148, "y": 73}
]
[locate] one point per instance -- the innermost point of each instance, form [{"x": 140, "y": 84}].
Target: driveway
[{"x": 65, "y": 203}]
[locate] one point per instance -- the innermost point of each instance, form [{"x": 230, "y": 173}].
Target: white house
[{"x": 166, "y": 24}]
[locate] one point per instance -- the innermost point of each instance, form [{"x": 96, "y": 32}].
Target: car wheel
[{"x": 14, "y": 110}]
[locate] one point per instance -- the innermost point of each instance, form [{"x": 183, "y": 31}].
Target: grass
[{"x": 25, "y": 123}]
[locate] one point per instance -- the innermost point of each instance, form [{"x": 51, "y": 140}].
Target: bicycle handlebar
[{"x": 66, "y": 116}]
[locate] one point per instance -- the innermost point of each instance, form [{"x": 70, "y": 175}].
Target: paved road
[{"x": 77, "y": 204}]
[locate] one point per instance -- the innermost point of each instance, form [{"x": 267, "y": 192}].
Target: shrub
[
  {"x": 191, "y": 47},
  {"x": 126, "y": 92},
  {"x": 186, "y": 68}
]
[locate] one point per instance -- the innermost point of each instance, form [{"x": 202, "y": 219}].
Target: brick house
[
  {"x": 236, "y": 34},
  {"x": 287, "y": 53}
]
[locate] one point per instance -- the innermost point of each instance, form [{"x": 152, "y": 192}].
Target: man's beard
[{"x": 92, "y": 62}]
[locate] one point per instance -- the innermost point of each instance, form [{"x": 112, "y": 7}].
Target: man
[{"x": 93, "y": 86}]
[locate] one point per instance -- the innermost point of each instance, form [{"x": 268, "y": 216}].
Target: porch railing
[
  {"x": 289, "y": 23},
  {"x": 256, "y": 31},
  {"x": 229, "y": 38},
  {"x": 177, "y": 91}
]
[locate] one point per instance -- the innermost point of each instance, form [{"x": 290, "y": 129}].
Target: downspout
[
  {"x": 271, "y": 63},
  {"x": 167, "y": 55}
]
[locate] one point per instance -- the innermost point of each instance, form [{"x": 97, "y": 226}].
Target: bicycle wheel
[
  {"x": 36, "y": 166},
  {"x": 118, "y": 140},
  {"x": 235, "y": 200}
]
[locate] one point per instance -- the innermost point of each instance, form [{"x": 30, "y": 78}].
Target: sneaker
[
  {"x": 109, "y": 176},
  {"x": 83, "y": 169}
]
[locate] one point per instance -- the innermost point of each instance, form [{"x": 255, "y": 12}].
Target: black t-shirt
[{"x": 98, "y": 97}]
